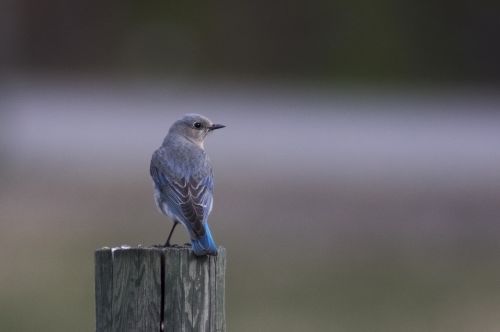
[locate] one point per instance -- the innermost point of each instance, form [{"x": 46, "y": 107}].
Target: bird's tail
[{"x": 204, "y": 245}]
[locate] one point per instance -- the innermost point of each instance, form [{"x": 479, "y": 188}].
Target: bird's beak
[{"x": 215, "y": 126}]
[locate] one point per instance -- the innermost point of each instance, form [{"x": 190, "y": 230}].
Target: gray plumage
[{"x": 183, "y": 179}]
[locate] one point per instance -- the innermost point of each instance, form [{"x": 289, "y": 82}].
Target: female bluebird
[{"x": 183, "y": 180}]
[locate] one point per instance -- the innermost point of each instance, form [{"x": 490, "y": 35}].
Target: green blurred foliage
[{"x": 333, "y": 40}]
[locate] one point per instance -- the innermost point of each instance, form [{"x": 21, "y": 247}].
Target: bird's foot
[
  {"x": 169, "y": 245},
  {"x": 158, "y": 246},
  {"x": 166, "y": 245}
]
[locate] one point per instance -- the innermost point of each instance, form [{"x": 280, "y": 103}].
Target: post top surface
[{"x": 221, "y": 250}]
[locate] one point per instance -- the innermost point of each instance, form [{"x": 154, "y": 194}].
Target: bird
[{"x": 183, "y": 180}]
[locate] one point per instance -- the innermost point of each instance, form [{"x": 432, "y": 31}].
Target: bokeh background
[{"x": 357, "y": 181}]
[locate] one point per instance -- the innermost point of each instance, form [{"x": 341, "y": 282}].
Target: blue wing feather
[{"x": 188, "y": 199}]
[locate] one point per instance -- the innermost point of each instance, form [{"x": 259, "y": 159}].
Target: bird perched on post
[{"x": 183, "y": 180}]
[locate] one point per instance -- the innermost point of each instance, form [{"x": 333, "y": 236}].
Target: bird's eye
[{"x": 197, "y": 125}]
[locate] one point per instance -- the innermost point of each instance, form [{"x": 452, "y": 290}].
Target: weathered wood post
[{"x": 159, "y": 289}]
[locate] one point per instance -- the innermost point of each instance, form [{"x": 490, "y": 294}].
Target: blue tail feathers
[{"x": 204, "y": 245}]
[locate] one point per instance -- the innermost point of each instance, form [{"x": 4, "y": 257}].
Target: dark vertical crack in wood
[
  {"x": 162, "y": 306},
  {"x": 193, "y": 288},
  {"x": 209, "y": 294},
  {"x": 137, "y": 283},
  {"x": 216, "y": 261}
]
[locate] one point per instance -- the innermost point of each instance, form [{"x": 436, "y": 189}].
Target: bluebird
[{"x": 183, "y": 180}]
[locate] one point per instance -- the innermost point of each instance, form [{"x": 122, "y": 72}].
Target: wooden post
[{"x": 159, "y": 289}]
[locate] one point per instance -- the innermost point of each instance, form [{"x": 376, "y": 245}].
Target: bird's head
[{"x": 194, "y": 127}]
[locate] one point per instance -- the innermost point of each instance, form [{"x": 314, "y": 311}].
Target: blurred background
[{"x": 357, "y": 181}]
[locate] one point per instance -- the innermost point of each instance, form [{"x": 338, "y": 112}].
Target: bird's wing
[{"x": 189, "y": 198}]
